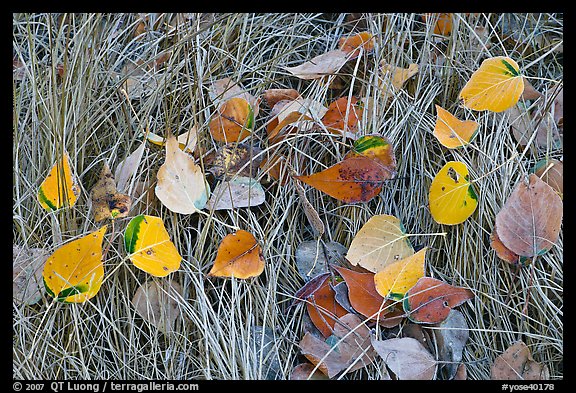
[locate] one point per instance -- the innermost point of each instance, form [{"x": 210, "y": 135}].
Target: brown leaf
[
  {"x": 106, "y": 201},
  {"x": 158, "y": 303},
  {"x": 501, "y": 250},
  {"x": 552, "y": 173},
  {"x": 306, "y": 371},
  {"x": 529, "y": 93},
  {"x": 353, "y": 44},
  {"x": 233, "y": 122},
  {"x": 529, "y": 222},
  {"x": 516, "y": 363},
  {"x": 328, "y": 63},
  {"x": 239, "y": 255},
  {"x": 343, "y": 116},
  {"x": 272, "y": 96},
  {"x": 407, "y": 358},
  {"x": 236, "y": 159},
  {"x": 323, "y": 308}
]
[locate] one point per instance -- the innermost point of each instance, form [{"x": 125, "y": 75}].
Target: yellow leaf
[
  {"x": 495, "y": 86},
  {"x": 398, "y": 277},
  {"x": 149, "y": 247},
  {"x": 397, "y": 76},
  {"x": 181, "y": 184},
  {"x": 380, "y": 242},
  {"x": 74, "y": 272},
  {"x": 187, "y": 141},
  {"x": 452, "y": 196},
  {"x": 60, "y": 188},
  {"x": 452, "y": 132},
  {"x": 239, "y": 255},
  {"x": 106, "y": 201}
]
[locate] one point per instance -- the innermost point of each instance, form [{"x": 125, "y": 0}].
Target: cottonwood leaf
[
  {"x": 238, "y": 192},
  {"x": 430, "y": 300},
  {"x": 181, "y": 184},
  {"x": 407, "y": 358},
  {"x": 551, "y": 171},
  {"x": 158, "y": 303},
  {"x": 451, "y": 337},
  {"x": 223, "y": 89},
  {"x": 529, "y": 222},
  {"x": 381, "y": 241},
  {"x": 233, "y": 122},
  {"x": 501, "y": 250},
  {"x": 343, "y": 116},
  {"x": 239, "y": 255},
  {"x": 322, "y": 306},
  {"x": 306, "y": 371},
  {"x": 27, "y": 266},
  {"x": 60, "y": 188},
  {"x": 149, "y": 247},
  {"x": 272, "y": 96},
  {"x": 74, "y": 272},
  {"x": 353, "y": 44},
  {"x": 516, "y": 363},
  {"x": 442, "y": 22},
  {"x": 328, "y": 63},
  {"x": 392, "y": 78},
  {"x": 396, "y": 278},
  {"x": 107, "y": 202},
  {"x": 452, "y": 132},
  {"x": 236, "y": 159},
  {"x": 495, "y": 86},
  {"x": 452, "y": 197}
]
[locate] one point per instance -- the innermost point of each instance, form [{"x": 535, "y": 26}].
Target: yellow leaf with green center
[
  {"x": 60, "y": 188},
  {"x": 452, "y": 196},
  {"x": 452, "y": 132},
  {"x": 495, "y": 86},
  {"x": 398, "y": 277},
  {"x": 74, "y": 272},
  {"x": 149, "y": 246}
]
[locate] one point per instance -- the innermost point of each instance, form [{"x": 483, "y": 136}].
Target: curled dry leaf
[
  {"x": 396, "y": 278},
  {"x": 233, "y": 122},
  {"x": 452, "y": 132},
  {"x": 496, "y": 85},
  {"x": 516, "y": 363},
  {"x": 311, "y": 259},
  {"x": 347, "y": 350},
  {"x": 380, "y": 242},
  {"x": 272, "y": 96},
  {"x": 181, "y": 184},
  {"x": 127, "y": 169},
  {"x": 552, "y": 173},
  {"x": 74, "y": 272},
  {"x": 452, "y": 197},
  {"x": 60, "y": 188},
  {"x": 235, "y": 193},
  {"x": 407, "y": 358},
  {"x": 430, "y": 300},
  {"x": 158, "y": 303},
  {"x": 239, "y": 255},
  {"x": 106, "y": 201},
  {"x": 27, "y": 266},
  {"x": 328, "y": 63},
  {"x": 224, "y": 89},
  {"x": 148, "y": 245},
  {"x": 322, "y": 306},
  {"x": 529, "y": 222}
]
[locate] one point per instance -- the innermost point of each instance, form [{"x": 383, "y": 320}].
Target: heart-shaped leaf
[
  {"x": 158, "y": 303},
  {"x": 343, "y": 116},
  {"x": 407, "y": 358},
  {"x": 396, "y": 278},
  {"x": 239, "y": 255},
  {"x": 516, "y": 363},
  {"x": 60, "y": 188},
  {"x": 452, "y": 132},
  {"x": 233, "y": 122}
]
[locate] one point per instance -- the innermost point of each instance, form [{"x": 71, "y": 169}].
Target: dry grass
[{"x": 85, "y": 113}]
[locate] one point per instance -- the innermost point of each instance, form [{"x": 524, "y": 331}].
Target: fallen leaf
[
  {"x": 451, "y": 337},
  {"x": 187, "y": 141},
  {"x": 407, "y": 358},
  {"x": 106, "y": 201},
  {"x": 347, "y": 350},
  {"x": 236, "y": 159},
  {"x": 452, "y": 197},
  {"x": 396, "y": 278},
  {"x": 300, "y": 114},
  {"x": 276, "y": 167},
  {"x": 377, "y": 148},
  {"x": 233, "y": 122},
  {"x": 311, "y": 260},
  {"x": 461, "y": 373},
  {"x": 501, "y": 250},
  {"x": 516, "y": 363},
  {"x": 322, "y": 306},
  {"x": 239, "y": 255},
  {"x": 27, "y": 266},
  {"x": 341, "y": 296},
  {"x": 309, "y": 288},
  {"x": 355, "y": 43},
  {"x": 311, "y": 214},
  {"x": 524, "y": 124},
  {"x": 442, "y": 22},
  {"x": 235, "y": 193},
  {"x": 60, "y": 188},
  {"x": 272, "y": 96},
  {"x": 529, "y": 222},
  {"x": 552, "y": 173},
  {"x": 181, "y": 184},
  {"x": 224, "y": 89},
  {"x": 496, "y": 86},
  {"x": 328, "y": 63},
  {"x": 430, "y": 300},
  {"x": 149, "y": 247},
  {"x": 343, "y": 116},
  {"x": 127, "y": 169},
  {"x": 159, "y": 304},
  {"x": 392, "y": 78},
  {"x": 529, "y": 93},
  {"x": 352, "y": 180},
  {"x": 306, "y": 371},
  {"x": 452, "y": 132},
  {"x": 74, "y": 272},
  {"x": 380, "y": 242}
]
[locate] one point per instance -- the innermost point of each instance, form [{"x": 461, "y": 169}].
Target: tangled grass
[{"x": 85, "y": 112}]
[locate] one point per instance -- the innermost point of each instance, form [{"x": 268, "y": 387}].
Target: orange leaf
[
  {"x": 452, "y": 132},
  {"x": 323, "y": 308},
  {"x": 443, "y": 24},
  {"x": 501, "y": 250},
  {"x": 355, "y": 179},
  {"x": 239, "y": 255},
  {"x": 233, "y": 122},
  {"x": 354, "y": 43},
  {"x": 343, "y": 116}
]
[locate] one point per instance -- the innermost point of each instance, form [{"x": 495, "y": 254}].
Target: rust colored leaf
[
  {"x": 239, "y": 255},
  {"x": 355, "y": 179},
  {"x": 343, "y": 116},
  {"x": 233, "y": 121},
  {"x": 501, "y": 250},
  {"x": 323, "y": 308},
  {"x": 442, "y": 22},
  {"x": 516, "y": 363},
  {"x": 272, "y": 96},
  {"x": 430, "y": 300},
  {"x": 352, "y": 44},
  {"x": 529, "y": 222},
  {"x": 552, "y": 172}
]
